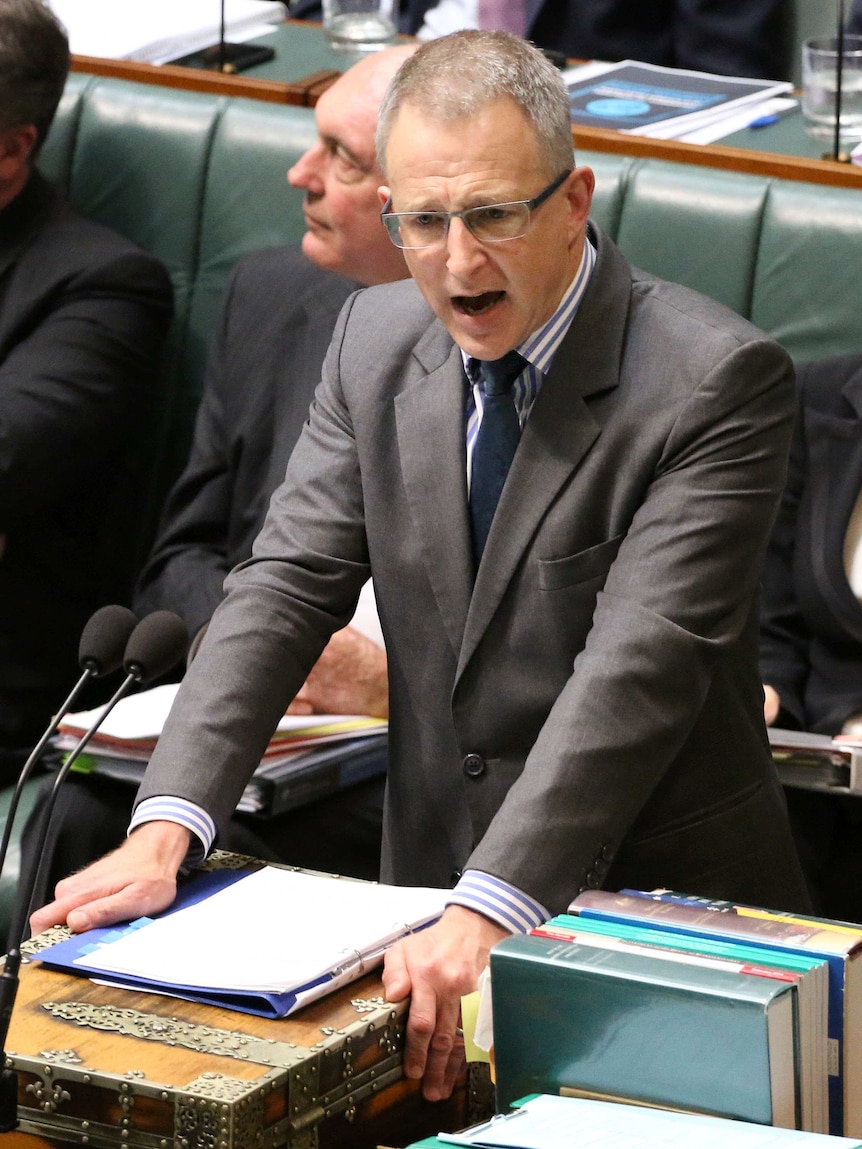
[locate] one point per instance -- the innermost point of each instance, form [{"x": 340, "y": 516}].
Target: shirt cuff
[
  {"x": 167, "y": 809},
  {"x": 506, "y": 905}
]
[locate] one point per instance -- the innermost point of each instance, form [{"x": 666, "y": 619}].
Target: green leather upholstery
[
  {"x": 782, "y": 253},
  {"x": 808, "y": 290},
  {"x": 198, "y": 180}
]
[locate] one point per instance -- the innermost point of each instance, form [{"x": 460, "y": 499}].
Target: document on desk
[
  {"x": 548, "y": 1122},
  {"x": 665, "y": 103},
  {"x": 266, "y": 942},
  {"x": 158, "y": 30}
]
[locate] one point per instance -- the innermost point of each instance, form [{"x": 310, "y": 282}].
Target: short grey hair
[
  {"x": 454, "y": 76},
  {"x": 34, "y": 64}
]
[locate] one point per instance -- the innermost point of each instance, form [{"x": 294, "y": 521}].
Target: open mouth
[{"x": 476, "y": 304}]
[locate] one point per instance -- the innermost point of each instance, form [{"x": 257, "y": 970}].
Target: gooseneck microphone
[
  {"x": 839, "y": 81},
  {"x": 156, "y": 644},
  {"x": 100, "y": 652}
]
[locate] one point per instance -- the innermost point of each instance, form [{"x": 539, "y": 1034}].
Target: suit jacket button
[
  {"x": 608, "y": 853},
  {"x": 474, "y": 765},
  {"x": 593, "y": 880},
  {"x": 455, "y": 877}
]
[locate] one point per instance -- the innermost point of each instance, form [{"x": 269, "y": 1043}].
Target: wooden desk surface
[{"x": 109, "y": 1067}]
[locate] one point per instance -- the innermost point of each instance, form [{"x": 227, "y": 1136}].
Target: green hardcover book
[
  {"x": 813, "y": 987},
  {"x": 839, "y": 943},
  {"x": 661, "y": 1029}
]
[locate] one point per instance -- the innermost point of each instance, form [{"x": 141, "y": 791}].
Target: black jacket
[
  {"x": 811, "y": 632},
  {"x": 83, "y": 316}
]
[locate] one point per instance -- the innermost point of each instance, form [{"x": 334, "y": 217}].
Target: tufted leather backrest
[
  {"x": 197, "y": 180},
  {"x": 784, "y": 254}
]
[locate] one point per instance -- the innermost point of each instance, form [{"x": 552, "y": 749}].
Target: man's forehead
[
  {"x": 498, "y": 144},
  {"x": 346, "y": 116}
]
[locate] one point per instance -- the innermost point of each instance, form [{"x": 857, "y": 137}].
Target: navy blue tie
[{"x": 495, "y": 444}]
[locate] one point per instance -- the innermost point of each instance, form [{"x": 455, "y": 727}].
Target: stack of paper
[
  {"x": 266, "y": 943},
  {"x": 157, "y": 31},
  {"x": 670, "y": 103},
  {"x": 547, "y": 1122},
  {"x": 306, "y": 759},
  {"x": 816, "y": 761}
]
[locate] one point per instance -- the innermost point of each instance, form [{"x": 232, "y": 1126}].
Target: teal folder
[{"x": 657, "y": 1030}]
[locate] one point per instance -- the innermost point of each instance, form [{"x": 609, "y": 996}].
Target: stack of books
[
  {"x": 307, "y": 757},
  {"x": 688, "y": 1004},
  {"x": 817, "y": 761}
]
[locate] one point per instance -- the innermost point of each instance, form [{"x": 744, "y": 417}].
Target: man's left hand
[{"x": 437, "y": 966}]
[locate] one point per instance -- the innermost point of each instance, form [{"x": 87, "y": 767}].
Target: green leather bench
[{"x": 199, "y": 180}]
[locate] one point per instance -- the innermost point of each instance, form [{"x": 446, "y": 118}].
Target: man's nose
[
  {"x": 464, "y": 253},
  {"x": 307, "y": 172}
]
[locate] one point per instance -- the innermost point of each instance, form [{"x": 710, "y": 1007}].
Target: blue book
[
  {"x": 80, "y": 955},
  {"x": 331, "y": 931},
  {"x": 637, "y": 1025}
]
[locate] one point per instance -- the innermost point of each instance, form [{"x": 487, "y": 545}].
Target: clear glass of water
[
  {"x": 819, "y": 82},
  {"x": 359, "y": 25}
]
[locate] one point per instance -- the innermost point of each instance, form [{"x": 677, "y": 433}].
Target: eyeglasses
[{"x": 492, "y": 223}]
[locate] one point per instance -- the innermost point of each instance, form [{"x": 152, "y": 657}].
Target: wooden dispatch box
[{"x": 105, "y": 1066}]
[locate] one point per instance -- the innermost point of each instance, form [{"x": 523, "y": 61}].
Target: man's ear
[
  {"x": 16, "y": 148},
  {"x": 383, "y": 195},
  {"x": 579, "y": 193}
]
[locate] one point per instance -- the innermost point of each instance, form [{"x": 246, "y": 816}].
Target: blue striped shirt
[
  {"x": 490, "y": 896},
  {"x": 538, "y": 349}
]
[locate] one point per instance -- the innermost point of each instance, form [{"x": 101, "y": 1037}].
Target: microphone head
[
  {"x": 104, "y": 638},
  {"x": 157, "y": 643}
]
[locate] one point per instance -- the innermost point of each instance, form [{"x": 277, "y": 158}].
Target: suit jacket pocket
[{"x": 593, "y": 563}]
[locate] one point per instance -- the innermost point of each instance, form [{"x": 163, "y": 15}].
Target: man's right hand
[
  {"x": 771, "y": 704},
  {"x": 138, "y": 878}
]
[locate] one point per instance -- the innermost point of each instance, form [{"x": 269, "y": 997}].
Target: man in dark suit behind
[
  {"x": 573, "y": 679},
  {"x": 83, "y": 315}
]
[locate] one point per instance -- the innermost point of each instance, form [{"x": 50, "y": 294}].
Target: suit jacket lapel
[
  {"x": 429, "y": 416},
  {"x": 557, "y": 435}
]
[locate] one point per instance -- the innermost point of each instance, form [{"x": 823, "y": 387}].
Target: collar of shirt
[{"x": 538, "y": 349}]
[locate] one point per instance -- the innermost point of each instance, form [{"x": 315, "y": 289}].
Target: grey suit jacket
[{"x": 589, "y": 711}]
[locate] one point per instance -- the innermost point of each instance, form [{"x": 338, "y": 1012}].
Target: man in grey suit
[{"x": 574, "y": 699}]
